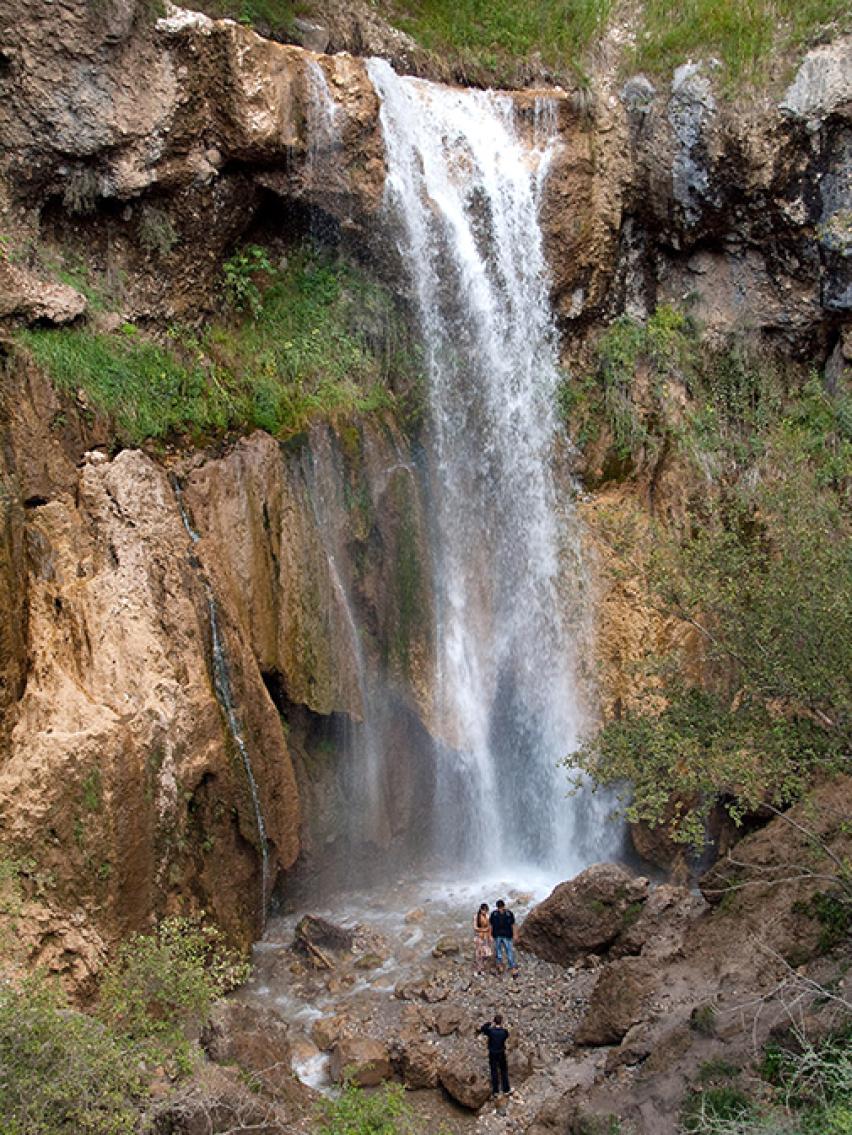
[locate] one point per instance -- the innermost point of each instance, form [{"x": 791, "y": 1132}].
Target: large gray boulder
[{"x": 585, "y": 915}]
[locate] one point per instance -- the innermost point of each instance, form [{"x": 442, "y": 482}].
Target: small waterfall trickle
[
  {"x": 364, "y": 758},
  {"x": 224, "y": 695},
  {"x": 462, "y": 193}
]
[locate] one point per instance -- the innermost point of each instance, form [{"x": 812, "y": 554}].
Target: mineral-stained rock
[
  {"x": 464, "y": 1075},
  {"x": 314, "y": 934},
  {"x": 618, "y": 999},
  {"x": 586, "y": 914},
  {"x": 364, "y": 1060}
]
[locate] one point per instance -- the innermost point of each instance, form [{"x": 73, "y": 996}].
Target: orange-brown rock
[{"x": 584, "y": 915}]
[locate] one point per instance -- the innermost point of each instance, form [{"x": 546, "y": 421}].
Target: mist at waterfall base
[{"x": 465, "y": 174}]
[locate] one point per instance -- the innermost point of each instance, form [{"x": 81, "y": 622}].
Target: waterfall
[
  {"x": 462, "y": 195},
  {"x": 364, "y": 748},
  {"x": 224, "y": 695}
]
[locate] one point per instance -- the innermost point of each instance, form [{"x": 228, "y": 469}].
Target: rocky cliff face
[{"x": 147, "y": 147}]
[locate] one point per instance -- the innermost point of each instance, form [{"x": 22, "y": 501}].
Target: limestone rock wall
[{"x": 119, "y": 777}]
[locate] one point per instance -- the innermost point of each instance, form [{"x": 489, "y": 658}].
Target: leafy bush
[
  {"x": 239, "y": 273},
  {"x": 61, "y": 1071},
  {"x": 810, "y": 1094},
  {"x": 162, "y": 985},
  {"x": 354, "y": 1112}
]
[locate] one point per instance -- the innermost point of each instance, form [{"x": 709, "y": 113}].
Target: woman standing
[{"x": 481, "y": 938}]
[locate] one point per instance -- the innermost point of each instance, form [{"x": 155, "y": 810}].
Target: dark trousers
[{"x": 499, "y": 1071}]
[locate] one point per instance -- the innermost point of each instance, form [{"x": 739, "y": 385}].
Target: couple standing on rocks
[{"x": 494, "y": 931}]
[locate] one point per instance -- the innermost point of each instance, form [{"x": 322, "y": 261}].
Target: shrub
[
  {"x": 758, "y": 572},
  {"x": 162, "y": 985},
  {"x": 239, "y": 274},
  {"x": 354, "y": 1112},
  {"x": 61, "y": 1071}
]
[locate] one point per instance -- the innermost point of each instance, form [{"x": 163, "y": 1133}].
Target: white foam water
[{"x": 462, "y": 196}]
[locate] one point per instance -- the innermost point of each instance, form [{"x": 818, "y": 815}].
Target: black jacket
[
  {"x": 497, "y": 1037},
  {"x": 502, "y": 922}
]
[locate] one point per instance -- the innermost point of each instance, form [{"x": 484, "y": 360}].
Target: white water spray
[{"x": 463, "y": 191}]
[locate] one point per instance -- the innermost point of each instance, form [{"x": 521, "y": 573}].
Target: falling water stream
[
  {"x": 462, "y": 197},
  {"x": 225, "y": 697}
]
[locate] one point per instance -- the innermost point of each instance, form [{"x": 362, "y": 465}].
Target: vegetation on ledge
[{"x": 311, "y": 339}]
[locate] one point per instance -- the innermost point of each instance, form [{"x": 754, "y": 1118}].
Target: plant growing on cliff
[
  {"x": 240, "y": 274},
  {"x": 354, "y": 1112},
  {"x": 758, "y": 574},
  {"x": 60, "y": 1070},
  {"x": 163, "y": 984}
]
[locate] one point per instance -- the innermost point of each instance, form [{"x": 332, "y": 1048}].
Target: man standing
[
  {"x": 497, "y": 1064},
  {"x": 503, "y": 931}
]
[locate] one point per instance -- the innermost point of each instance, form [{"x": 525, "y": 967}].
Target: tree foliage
[
  {"x": 60, "y": 1070},
  {"x": 758, "y": 574}
]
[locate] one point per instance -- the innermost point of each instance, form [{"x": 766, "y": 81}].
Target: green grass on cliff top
[
  {"x": 322, "y": 342},
  {"x": 499, "y": 41}
]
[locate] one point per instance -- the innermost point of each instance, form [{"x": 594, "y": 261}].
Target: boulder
[
  {"x": 315, "y": 937},
  {"x": 447, "y": 1020},
  {"x": 364, "y": 1061},
  {"x": 584, "y": 915},
  {"x": 327, "y": 1031},
  {"x": 418, "y": 1063},
  {"x": 659, "y": 929},
  {"x": 28, "y": 297},
  {"x": 255, "y": 1039},
  {"x": 446, "y": 947},
  {"x": 464, "y": 1076},
  {"x": 617, "y": 1001}
]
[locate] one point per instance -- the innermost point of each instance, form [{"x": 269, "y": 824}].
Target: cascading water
[
  {"x": 364, "y": 764},
  {"x": 224, "y": 695},
  {"x": 462, "y": 190}
]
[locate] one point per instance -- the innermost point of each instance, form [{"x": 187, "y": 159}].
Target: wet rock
[
  {"x": 328, "y": 1030},
  {"x": 465, "y": 1077},
  {"x": 416, "y": 915},
  {"x": 586, "y": 914},
  {"x": 311, "y": 35},
  {"x": 656, "y": 846},
  {"x": 446, "y": 947},
  {"x": 618, "y": 1001},
  {"x": 369, "y": 961},
  {"x": 363, "y": 1060},
  {"x": 315, "y": 936}
]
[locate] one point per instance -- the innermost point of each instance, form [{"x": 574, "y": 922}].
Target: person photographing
[{"x": 497, "y": 1063}]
